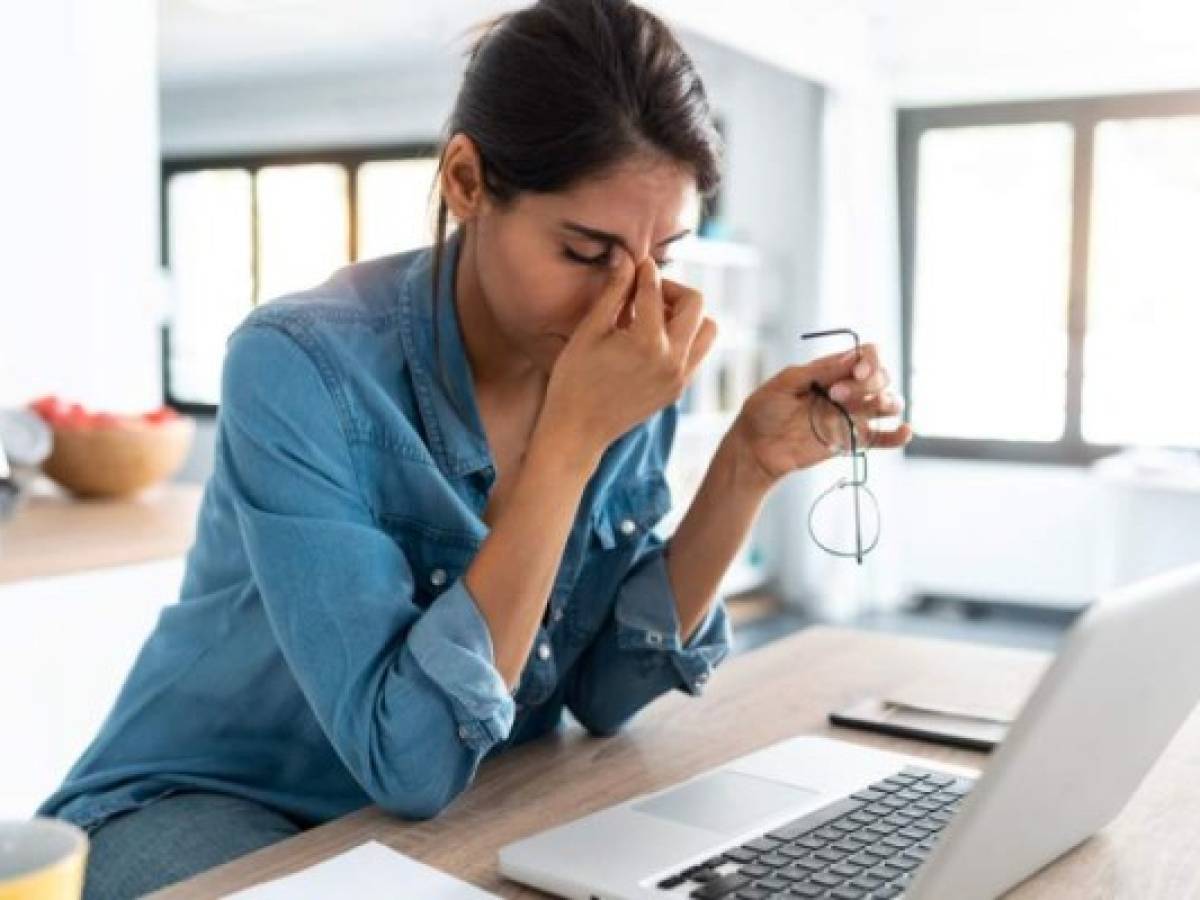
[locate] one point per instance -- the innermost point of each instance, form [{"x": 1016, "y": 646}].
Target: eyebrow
[{"x": 606, "y": 237}]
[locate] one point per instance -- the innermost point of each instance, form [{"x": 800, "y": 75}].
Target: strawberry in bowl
[{"x": 105, "y": 454}]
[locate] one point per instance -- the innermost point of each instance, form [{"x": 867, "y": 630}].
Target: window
[
  {"x": 1047, "y": 273},
  {"x": 238, "y": 231}
]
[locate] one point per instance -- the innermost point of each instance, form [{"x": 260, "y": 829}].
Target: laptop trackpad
[{"x": 726, "y": 802}]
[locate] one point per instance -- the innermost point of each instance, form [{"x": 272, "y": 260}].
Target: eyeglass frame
[{"x": 856, "y": 455}]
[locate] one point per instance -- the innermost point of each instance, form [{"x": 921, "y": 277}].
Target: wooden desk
[
  {"x": 1151, "y": 851},
  {"x": 53, "y": 533}
]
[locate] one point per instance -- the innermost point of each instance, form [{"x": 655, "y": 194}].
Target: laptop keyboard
[{"x": 865, "y": 847}]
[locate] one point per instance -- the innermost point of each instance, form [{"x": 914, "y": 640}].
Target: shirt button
[
  {"x": 437, "y": 577},
  {"x": 543, "y": 651},
  {"x": 654, "y": 637},
  {"x": 628, "y": 527},
  {"x": 702, "y": 677}
]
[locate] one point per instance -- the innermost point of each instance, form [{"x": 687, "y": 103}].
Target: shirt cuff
[
  {"x": 647, "y": 619},
  {"x": 453, "y": 646}
]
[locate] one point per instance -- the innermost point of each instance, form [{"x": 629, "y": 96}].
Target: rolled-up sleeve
[
  {"x": 639, "y": 653},
  {"x": 410, "y": 699}
]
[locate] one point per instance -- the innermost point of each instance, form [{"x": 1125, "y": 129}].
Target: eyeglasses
[{"x": 844, "y": 519}]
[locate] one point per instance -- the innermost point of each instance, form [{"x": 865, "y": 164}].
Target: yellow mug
[{"x": 41, "y": 859}]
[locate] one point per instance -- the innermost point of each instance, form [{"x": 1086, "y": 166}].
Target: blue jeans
[{"x": 174, "y": 838}]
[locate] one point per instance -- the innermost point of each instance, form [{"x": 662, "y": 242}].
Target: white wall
[
  {"x": 79, "y": 227},
  {"x": 994, "y": 531}
]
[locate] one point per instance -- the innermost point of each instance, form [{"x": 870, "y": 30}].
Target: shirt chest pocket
[
  {"x": 436, "y": 557},
  {"x": 631, "y": 512}
]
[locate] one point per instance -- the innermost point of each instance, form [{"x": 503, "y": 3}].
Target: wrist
[
  {"x": 742, "y": 470},
  {"x": 562, "y": 450}
]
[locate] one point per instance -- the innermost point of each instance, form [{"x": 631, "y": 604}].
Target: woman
[{"x": 428, "y": 528}]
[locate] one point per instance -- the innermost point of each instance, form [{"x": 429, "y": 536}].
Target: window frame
[
  {"x": 349, "y": 158},
  {"x": 1083, "y": 114}
]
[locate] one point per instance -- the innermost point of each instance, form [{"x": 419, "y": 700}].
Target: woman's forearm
[
  {"x": 713, "y": 530},
  {"x": 513, "y": 573}
]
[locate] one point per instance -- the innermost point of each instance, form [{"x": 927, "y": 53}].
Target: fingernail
[
  {"x": 862, "y": 370},
  {"x": 840, "y": 392}
]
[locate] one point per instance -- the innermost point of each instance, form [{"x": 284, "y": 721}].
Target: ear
[{"x": 461, "y": 178}]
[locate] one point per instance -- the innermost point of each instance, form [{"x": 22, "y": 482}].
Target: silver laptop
[{"x": 815, "y": 817}]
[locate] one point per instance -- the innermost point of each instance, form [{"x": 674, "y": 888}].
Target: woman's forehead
[{"x": 642, "y": 204}]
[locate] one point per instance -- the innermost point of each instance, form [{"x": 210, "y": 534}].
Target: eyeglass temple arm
[{"x": 832, "y": 331}]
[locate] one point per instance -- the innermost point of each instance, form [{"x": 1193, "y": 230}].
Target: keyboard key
[
  {"x": 720, "y": 887},
  {"x": 847, "y": 893},
  {"x": 869, "y": 795},
  {"x": 754, "y": 870},
  {"x": 806, "y": 890},
  {"x": 865, "y": 882},
  {"x": 812, "y": 864},
  {"x": 753, "y": 893},
  {"x": 867, "y": 857},
  {"x": 761, "y": 845},
  {"x": 845, "y": 869},
  {"x": 825, "y": 879},
  {"x": 774, "y": 860},
  {"x": 740, "y": 855},
  {"x": 887, "y": 892},
  {"x": 773, "y": 884}
]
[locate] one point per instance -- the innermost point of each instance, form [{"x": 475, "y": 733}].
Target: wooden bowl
[{"x": 118, "y": 460}]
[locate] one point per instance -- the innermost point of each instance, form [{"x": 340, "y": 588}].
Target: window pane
[
  {"x": 990, "y": 286},
  {"x": 303, "y": 226},
  {"x": 393, "y": 206},
  {"x": 210, "y": 244},
  {"x": 1143, "y": 284}
]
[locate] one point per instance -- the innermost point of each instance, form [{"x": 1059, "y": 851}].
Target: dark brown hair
[{"x": 566, "y": 89}]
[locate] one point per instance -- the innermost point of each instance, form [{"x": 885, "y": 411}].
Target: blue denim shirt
[{"x": 325, "y": 652}]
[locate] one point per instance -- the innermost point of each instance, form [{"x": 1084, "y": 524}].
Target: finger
[
  {"x": 647, "y": 300},
  {"x": 861, "y": 395},
  {"x": 891, "y": 438},
  {"x": 706, "y": 335},
  {"x": 688, "y": 313},
  {"x": 602, "y": 317}
]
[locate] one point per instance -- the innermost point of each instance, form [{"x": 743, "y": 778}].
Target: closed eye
[{"x": 602, "y": 259}]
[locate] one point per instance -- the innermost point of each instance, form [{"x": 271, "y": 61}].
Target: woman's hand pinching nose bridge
[{"x": 639, "y": 357}]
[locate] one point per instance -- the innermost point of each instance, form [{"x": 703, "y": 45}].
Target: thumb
[{"x": 602, "y": 317}]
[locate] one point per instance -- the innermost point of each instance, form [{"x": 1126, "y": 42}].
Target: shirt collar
[
  {"x": 445, "y": 392},
  {"x": 456, "y": 435}
]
